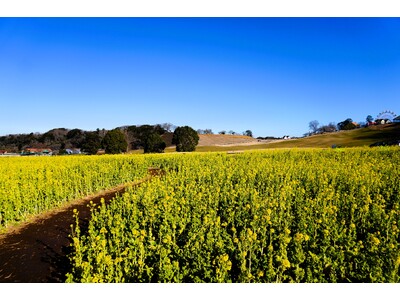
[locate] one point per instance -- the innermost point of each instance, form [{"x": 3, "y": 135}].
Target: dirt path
[{"x": 37, "y": 251}]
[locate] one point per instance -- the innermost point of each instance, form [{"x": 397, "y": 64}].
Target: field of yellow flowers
[
  {"x": 270, "y": 216},
  {"x": 32, "y": 185}
]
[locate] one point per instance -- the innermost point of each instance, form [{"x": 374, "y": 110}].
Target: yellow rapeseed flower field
[
  {"x": 265, "y": 216},
  {"x": 32, "y": 185}
]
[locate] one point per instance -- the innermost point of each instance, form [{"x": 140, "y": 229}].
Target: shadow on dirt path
[{"x": 37, "y": 251}]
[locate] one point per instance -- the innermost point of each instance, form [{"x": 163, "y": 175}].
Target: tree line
[
  {"x": 150, "y": 138},
  {"x": 348, "y": 124}
]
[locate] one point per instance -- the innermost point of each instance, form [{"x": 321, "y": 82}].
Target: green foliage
[
  {"x": 75, "y": 137},
  {"x": 143, "y": 137},
  {"x": 74, "y": 133},
  {"x": 153, "y": 143},
  {"x": 185, "y": 138},
  {"x": 248, "y": 133},
  {"x": 114, "y": 142},
  {"x": 347, "y": 125},
  {"x": 92, "y": 143},
  {"x": 61, "y": 138}
]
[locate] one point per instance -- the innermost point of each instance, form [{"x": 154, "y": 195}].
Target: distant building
[
  {"x": 73, "y": 151},
  {"x": 396, "y": 120},
  {"x": 101, "y": 151},
  {"x": 37, "y": 151},
  {"x": 383, "y": 121}
]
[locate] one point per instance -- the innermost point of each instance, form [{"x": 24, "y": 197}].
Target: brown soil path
[{"x": 36, "y": 251}]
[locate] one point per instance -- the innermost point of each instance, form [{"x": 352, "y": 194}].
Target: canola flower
[
  {"x": 262, "y": 216},
  {"x": 32, "y": 185}
]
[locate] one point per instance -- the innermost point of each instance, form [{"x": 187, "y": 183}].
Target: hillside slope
[
  {"x": 223, "y": 140},
  {"x": 350, "y": 138},
  {"x": 217, "y": 140}
]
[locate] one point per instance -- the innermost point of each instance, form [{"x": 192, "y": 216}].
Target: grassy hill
[
  {"x": 349, "y": 138},
  {"x": 224, "y": 140}
]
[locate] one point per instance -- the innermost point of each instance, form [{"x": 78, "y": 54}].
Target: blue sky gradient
[{"x": 270, "y": 75}]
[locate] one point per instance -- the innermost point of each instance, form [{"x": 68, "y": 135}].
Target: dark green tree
[
  {"x": 47, "y": 137},
  {"x": 185, "y": 138},
  {"x": 91, "y": 143},
  {"x": 248, "y": 133},
  {"x": 114, "y": 142},
  {"x": 153, "y": 143},
  {"x": 138, "y": 135},
  {"x": 76, "y": 137},
  {"x": 347, "y": 125},
  {"x": 369, "y": 119},
  {"x": 74, "y": 133}
]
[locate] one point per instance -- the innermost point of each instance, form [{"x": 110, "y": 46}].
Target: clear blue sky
[{"x": 270, "y": 75}]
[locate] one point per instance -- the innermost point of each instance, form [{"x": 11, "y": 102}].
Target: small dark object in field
[{"x": 153, "y": 171}]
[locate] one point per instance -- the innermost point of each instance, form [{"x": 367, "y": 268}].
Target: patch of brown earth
[{"x": 224, "y": 140}]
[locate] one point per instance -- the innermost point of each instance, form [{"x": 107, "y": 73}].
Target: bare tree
[
  {"x": 331, "y": 127},
  {"x": 313, "y": 125},
  {"x": 168, "y": 127}
]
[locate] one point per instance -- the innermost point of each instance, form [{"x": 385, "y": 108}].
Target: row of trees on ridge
[
  {"x": 347, "y": 124},
  {"x": 150, "y": 138}
]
